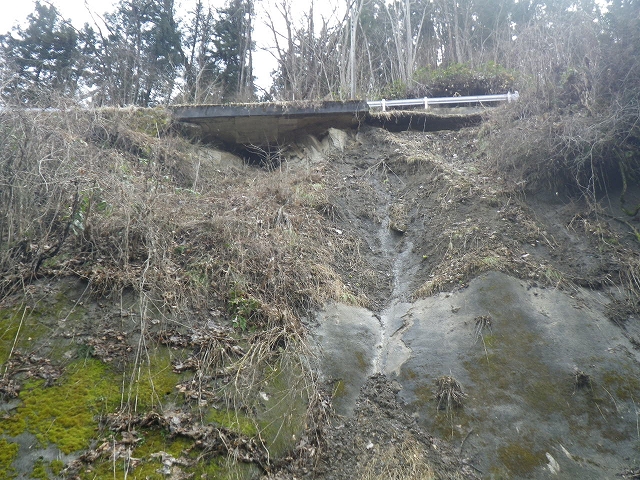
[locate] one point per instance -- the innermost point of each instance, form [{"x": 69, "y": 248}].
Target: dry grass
[
  {"x": 581, "y": 380},
  {"x": 108, "y": 196},
  {"x": 280, "y": 105},
  {"x": 483, "y": 323},
  {"x": 113, "y": 197},
  {"x": 578, "y": 146},
  {"x": 420, "y": 113},
  {"x": 404, "y": 461},
  {"x": 422, "y": 120},
  {"x": 499, "y": 222}
]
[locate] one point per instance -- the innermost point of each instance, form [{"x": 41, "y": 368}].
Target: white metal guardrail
[{"x": 427, "y": 102}]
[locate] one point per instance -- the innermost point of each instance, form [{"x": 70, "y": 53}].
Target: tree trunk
[
  {"x": 352, "y": 51},
  {"x": 409, "y": 41}
]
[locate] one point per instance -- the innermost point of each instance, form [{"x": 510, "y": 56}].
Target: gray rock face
[{"x": 550, "y": 383}]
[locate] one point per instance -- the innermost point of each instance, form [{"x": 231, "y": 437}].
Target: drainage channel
[{"x": 391, "y": 352}]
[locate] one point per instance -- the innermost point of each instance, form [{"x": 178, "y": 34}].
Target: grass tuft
[{"x": 449, "y": 394}]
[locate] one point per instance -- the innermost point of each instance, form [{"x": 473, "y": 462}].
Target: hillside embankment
[{"x": 368, "y": 303}]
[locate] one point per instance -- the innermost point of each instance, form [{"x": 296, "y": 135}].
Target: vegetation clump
[
  {"x": 482, "y": 324},
  {"x": 449, "y": 394},
  {"x": 575, "y": 127},
  {"x": 581, "y": 379},
  {"x": 520, "y": 458},
  {"x": 149, "y": 221},
  {"x": 462, "y": 80}
]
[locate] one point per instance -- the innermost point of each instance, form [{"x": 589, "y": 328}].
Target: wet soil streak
[{"x": 391, "y": 352}]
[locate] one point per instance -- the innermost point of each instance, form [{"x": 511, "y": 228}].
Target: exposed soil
[
  {"x": 440, "y": 200},
  {"x": 384, "y": 440},
  {"x": 433, "y": 213}
]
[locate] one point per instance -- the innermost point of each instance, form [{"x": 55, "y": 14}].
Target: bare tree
[{"x": 308, "y": 66}]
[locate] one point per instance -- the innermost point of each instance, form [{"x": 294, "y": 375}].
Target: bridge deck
[{"x": 269, "y": 123}]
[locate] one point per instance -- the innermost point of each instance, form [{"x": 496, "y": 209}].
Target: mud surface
[{"x": 380, "y": 438}]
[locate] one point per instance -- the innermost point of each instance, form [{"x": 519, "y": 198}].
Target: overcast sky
[{"x": 80, "y": 11}]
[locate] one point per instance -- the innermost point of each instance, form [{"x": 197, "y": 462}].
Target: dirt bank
[
  {"x": 434, "y": 216},
  {"x": 211, "y": 318}
]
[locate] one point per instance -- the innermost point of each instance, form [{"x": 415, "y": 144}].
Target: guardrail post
[
  {"x": 384, "y": 105},
  {"x": 426, "y": 103}
]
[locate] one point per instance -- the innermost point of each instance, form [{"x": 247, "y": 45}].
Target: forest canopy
[{"x": 144, "y": 55}]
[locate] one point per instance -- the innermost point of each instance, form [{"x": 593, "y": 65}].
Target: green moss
[
  {"x": 232, "y": 421},
  {"x": 505, "y": 358},
  {"x": 56, "y": 467},
  {"x": 282, "y": 418},
  {"x": 8, "y": 453},
  {"x": 362, "y": 360},
  {"x": 339, "y": 390},
  {"x": 622, "y": 385},
  {"x": 225, "y": 468},
  {"x": 19, "y": 326},
  {"x": 520, "y": 458},
  {"x": 504, "y": 370},
  {"x": 510, "y": 367},
  {"x": 40, "y": 470},
  {"x": 153, "y": 442},
  {"x": 152, "y": 382},
  {"x": 490, "y": 340},
  {"x": 409, "y": 373},
  {"x": 424, "y": 396},
  {"x": 547, "y": 396},
  {"x": 452, "y": 425},
  {"x": 157, "y": 441},
  {"x": 26, "y": 327},
  {"x": 449, "y": 424},
  {"x": 65, "y": 414},
  {"x": 151, "y": 121}
]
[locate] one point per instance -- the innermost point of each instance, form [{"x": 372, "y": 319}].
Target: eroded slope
[{"x": 169, "y": 288}]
